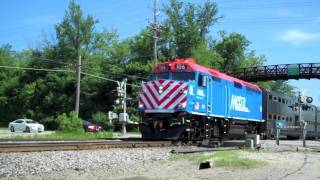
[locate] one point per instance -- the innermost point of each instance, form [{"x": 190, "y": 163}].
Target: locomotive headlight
[
  {"x": 140, "y": 105},
  {"x": 160, "y": 89},
  {"x": 182, "y": 91},
  {"x": 182, "y": 105},
  {"x": 185, "y": 92}
]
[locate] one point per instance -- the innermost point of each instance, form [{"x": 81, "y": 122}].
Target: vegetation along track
[{"x": 77, "y": 145}]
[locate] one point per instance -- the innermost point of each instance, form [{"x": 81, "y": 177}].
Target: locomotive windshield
[
  {"x": 156, "y": 76},
  {"x": 183, "y": 76}
]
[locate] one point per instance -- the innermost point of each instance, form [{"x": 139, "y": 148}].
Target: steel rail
[{"x": 77, "y": 145}]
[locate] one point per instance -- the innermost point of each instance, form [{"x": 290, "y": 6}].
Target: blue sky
[{"x": 285, "y": 31}]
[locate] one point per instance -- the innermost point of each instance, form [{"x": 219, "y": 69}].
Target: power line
[
  {"x": 38, "y": 69},
  {"x": 62, "y": 70},
  {"x": 107, "y": 79}
]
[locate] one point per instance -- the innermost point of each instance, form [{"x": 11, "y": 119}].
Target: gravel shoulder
[{"x": 283, "y": 162}]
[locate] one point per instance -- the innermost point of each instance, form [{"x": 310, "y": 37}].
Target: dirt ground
[{"x": 283, "y": 162}]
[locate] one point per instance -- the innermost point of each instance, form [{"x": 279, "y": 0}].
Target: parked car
[
  {"x": 89, "y": 127},
  {"x": 25, "y": 125}
]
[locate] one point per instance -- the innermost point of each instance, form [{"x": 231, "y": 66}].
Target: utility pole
[
  {"x": 155, "y": 31},
  {"x": 78, "y": 86},
  {"x": 316, "y": 124},
  {"x": 124, "y": 130}
]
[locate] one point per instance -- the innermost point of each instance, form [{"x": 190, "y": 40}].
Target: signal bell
[{"x": 309, "y": 99}]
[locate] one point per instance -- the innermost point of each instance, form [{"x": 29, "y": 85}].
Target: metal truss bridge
[{"x": 278, "y": 72}]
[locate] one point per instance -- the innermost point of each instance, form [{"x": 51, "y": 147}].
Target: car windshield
[
  {"x": 84, "y": 122},
  {"x": 156, "y": 76},
  {"x": 31, "y": 122},
  {"x": 183, "y": 76}
]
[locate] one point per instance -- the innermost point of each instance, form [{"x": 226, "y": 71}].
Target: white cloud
[{"x": 298, "y": 37}]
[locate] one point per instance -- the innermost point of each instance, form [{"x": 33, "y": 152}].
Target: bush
[
  {"x": 101, "y": 119},
  {"x": 69, "y": 123},
  {"x": 50, "y": 123}
]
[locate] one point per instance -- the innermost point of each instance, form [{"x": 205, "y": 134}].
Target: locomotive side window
[
  {"x": 270, "y": 96},
  {"x": 156, "y": 76},
  {"x": 183, "y": 76},
  {"x": 202, "y": 80},
  {"x": 237, "y": 85},
  {"x": 216, "y": 79},
  {"x": 270, "y": 116}
]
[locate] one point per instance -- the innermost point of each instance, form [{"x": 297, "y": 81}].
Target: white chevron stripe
[
  {"x": 163, "y": 84},
  {"x": 175, "y": 93},
  {"x": 172, "y": 86},
  {"x": 154, "y": 103},
  {"x": 145, "y": 102},
  {"x": 173, "y": 105}
]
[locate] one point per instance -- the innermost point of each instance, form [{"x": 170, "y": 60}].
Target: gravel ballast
[
  {"x": 21, "y": 164},
  {"x": 283, "y": 162}
]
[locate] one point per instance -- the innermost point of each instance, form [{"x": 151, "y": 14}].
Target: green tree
[
  {"x": 232, "y": 49},
  {"x": 69, "y": 122},
  {"x": 75, "y": 34},
  {"x": 102, "y": 119},
  {"x": 186, "y": 26}
]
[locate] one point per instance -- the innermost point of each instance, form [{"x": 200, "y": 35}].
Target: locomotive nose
[{"x": 164, "y": 95}]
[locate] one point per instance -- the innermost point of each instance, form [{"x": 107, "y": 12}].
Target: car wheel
[
  {"x": 12, "y": 129},
  {"x": 28, "y": 130}
]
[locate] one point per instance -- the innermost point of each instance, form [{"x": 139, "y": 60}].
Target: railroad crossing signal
[{"x": 122, "y": 93}]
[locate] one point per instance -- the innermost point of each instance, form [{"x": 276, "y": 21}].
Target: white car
[{"x": 26, "y": 125}]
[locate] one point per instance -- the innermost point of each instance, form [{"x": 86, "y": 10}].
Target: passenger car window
[
  {"x": 18, "y": 121},
  {"x": 31, "y": 122}
]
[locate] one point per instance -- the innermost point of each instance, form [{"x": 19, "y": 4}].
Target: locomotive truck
[{"x": 183, "y": 100}]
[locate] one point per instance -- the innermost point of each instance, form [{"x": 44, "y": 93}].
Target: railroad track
[{"x": 77, "y": 145}]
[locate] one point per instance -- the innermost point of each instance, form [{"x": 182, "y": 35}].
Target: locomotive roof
[{"x": 193, "y": 66}]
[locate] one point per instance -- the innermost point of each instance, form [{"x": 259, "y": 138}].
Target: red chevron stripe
[
  {"x": 169, "y": 93},
  {"x": 149, "y": 101},
  {"x": 155, "y": 98},
  {"x": 182, "y": 101},
  {"x": 172, "y": 101}
]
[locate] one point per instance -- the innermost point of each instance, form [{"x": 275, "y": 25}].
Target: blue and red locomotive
[{"x": 183, "y": 100}]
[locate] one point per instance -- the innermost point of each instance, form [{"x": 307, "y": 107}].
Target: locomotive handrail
[{"x": 278, "y": 72}]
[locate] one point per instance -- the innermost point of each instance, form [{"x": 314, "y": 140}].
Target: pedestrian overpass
[{"x": 278, "y": 72}]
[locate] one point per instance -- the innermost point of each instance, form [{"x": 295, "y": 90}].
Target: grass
[
  {"x": 223, "y": 159},
  {"x": 78, "y": 135}
]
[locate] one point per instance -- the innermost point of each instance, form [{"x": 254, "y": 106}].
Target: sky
[{"x": 284, "y": 31}]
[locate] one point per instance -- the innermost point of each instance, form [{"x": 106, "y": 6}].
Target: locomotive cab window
[
  {"x": 183, "y": 76},
  {"x": 156, "y": 76}
]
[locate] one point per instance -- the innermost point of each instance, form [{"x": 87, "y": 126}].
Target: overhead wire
[{"x": 64, "y": 70}]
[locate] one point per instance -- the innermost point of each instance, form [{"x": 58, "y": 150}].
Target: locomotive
[{"x": 185, "y": 101}]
